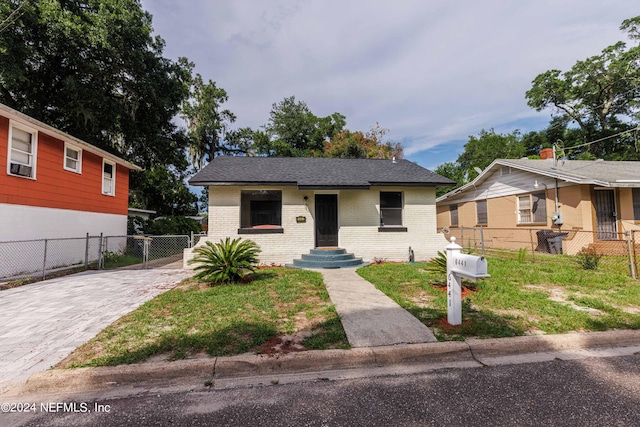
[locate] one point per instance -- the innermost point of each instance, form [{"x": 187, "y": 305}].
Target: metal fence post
[
  {"x": 191, "y": 240},
  {"x": 100, "y": 258},
  {"x": 632, "y": 266},
  {"x": 145, "y": 251},
  {"x": 44, "y": 261},
  {"x": 86, "y": 253},
  {"x": 631, "y": 247}
]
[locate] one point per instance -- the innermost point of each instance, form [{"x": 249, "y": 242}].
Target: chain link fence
[
  {"x": 37, "y": 259},
  {"x": 536, "y": 241}
]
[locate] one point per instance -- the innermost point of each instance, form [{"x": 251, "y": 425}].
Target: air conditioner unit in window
[{"x": 22, "y": 170}]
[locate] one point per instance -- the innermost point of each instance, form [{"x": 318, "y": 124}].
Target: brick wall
[{"x": 359, "y": 221}]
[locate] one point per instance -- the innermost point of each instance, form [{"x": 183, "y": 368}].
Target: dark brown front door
[
  {"x": 326, "y": 220},
  {"x": 605, "y": 204}
]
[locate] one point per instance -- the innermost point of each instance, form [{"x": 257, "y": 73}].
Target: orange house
[{"x": 53, "y": 185}]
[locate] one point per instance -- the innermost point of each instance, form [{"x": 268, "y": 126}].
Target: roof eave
[
  {"x": 43, "y": 127},
  {"x": 236, "y": 183}
]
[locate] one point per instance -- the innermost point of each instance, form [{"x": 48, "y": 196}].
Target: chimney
[{"x": 546, "y": 153}]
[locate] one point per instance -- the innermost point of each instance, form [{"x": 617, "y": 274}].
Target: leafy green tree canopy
[
  {"x": 93, "y": 69},
  {"x": 294, "y": 131},
  {"x": 600, "y": 93},
  {"x": 360, "y": 145},
  {"x": 207, "y": 123}
]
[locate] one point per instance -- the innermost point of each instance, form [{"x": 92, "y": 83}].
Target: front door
[
  {"x": 326, "y": 220},
  {"x": 605, "y": 204}
]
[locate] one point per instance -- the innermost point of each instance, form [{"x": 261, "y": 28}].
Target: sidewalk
[
  {"x": 251, "y": 370},
  {"x": 369, "y": 317}
]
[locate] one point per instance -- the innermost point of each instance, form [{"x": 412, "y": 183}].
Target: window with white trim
[
  {"x": 108, "y": 178},
  {"x": 532, "y": 208},
  {"x": 72, "y": 158},
  {"x": 23, "y": 144}
]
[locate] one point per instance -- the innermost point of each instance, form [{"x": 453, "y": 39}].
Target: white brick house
[{"x": 372, "y": 208}]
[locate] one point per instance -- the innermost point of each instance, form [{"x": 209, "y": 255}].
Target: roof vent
[{"x": 394, "y": 160}]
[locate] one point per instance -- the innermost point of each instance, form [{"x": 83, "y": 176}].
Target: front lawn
[
  {"x": 220, "y": 320},
  {"x": 552, "y": 294}
]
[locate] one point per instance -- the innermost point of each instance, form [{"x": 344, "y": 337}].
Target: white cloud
[{"x": 429, "y": 71}]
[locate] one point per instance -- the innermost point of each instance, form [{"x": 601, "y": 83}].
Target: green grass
[
  {"x": 121, "y": 261},
  {"x": 220, "y": 320},
  {"x": 515, "y": 300}
]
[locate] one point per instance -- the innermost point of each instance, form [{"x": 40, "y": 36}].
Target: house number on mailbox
[{"x": 458, "y": 266}]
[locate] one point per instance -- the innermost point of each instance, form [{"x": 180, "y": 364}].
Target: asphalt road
[{"x": 588, "y": 392}]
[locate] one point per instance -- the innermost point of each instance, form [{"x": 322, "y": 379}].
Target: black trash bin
[
  {"x": 554, "y": 241},
  {"x": 543, "y": 244}
]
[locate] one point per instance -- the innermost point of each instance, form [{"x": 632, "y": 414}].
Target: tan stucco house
[
  {"x": 289, "y": 206},
  {"x": 601, "y": 197}
]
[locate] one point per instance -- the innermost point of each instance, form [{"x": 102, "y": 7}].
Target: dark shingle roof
[{"x": 315, "y": 172}]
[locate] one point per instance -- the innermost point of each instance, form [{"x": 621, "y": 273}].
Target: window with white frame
[
  {"x": 532, "y": 208},
  {"x": 23, "y": 144},
  {"x": 390, "y": 208},
  {"x": 482, "y": 218},
  {"x": 108, "y": 178},
  {"x": 72, "y": 158}
]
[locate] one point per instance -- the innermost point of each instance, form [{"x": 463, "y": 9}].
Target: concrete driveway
[{"x": 42, "y": 323}]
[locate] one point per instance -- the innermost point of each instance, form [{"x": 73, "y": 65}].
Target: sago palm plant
[
  {"x": 438, "y": 264},
  {"x": 226, "y": 261}
]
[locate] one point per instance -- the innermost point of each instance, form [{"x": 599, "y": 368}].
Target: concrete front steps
[{"x": 327, "y": 258}]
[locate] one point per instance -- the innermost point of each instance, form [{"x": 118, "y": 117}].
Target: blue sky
[{"x": 431, "y": 72}]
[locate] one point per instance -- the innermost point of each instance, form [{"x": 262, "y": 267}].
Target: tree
[
  {"x": 454, "y": 172},
  {"x": 598, "y": 93},
  {"x": 163, "y": 190},
  {"x": 207, "y": 124},
  {"x": 480, "y": 151},
  {"x": 294, "y": 131},
  {"x": 359, "y": 145},
  {"x": 91, "y": 68}
]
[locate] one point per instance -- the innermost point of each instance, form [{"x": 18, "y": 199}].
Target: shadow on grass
[
  {"x": 236, "y": 339},
  {"x": 330, "y": 331},
  {"x": 475, "y": 323},
  {"x": 246, "y": 279}
]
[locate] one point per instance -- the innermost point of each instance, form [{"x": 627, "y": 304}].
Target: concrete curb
[{"x": 202, "y": 370}]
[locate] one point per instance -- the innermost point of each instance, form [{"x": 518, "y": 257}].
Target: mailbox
[{"x": 469, "y": 266}]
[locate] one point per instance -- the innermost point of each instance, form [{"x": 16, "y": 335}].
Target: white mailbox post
[{"x": 460, "y": 265}]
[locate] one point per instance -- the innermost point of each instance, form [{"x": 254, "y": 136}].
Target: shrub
[
  {"x": 438, "y": 264},
  {"x": 226, "y": 261},
  {"x": 588, "y": 259},
  {"x": 172, "y": 225}
]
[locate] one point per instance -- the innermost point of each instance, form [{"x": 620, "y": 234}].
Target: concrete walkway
[
  {"x": 42, "y": 323},
  {"x": 369, "y": 317}
]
